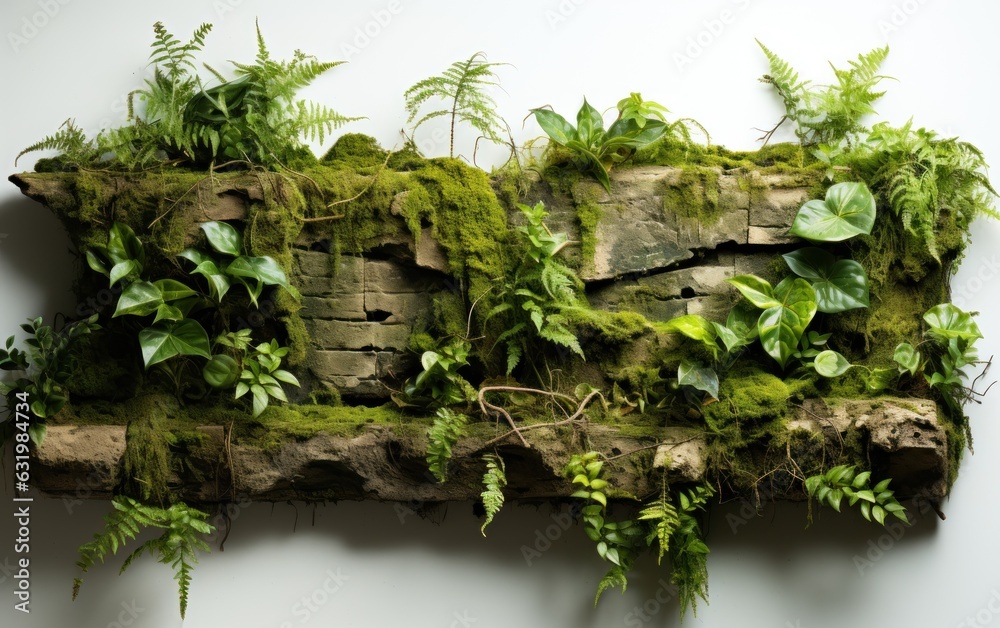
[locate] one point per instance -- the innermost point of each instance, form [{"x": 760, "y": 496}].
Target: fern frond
[
  {"x": 494, "y": 480},
  {"x": 442, "y": 435},
  {"x": 462, "y": 87},
  {"x": 70, "y": 140},
  {"x": 617, "y": 576},
  {"x": 665, "y": 521},
  {"x": 177, "y": 546}
]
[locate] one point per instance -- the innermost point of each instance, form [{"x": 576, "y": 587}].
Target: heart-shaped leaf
[
  {"x": 831, "y": 364},
  {"x": 695, "y": 327},
  {"x": 847, "y": 211},
  {"x": 223, "y": 237},
  {"x": 907, "y": 357},
  {"x": 698, "y": 377},
  {"x": 947, "y": 321},
  {"x": 139, "y": 299},
  {"x": 840, "y": 285},
  {"x": 123, "y": 245},
  {"x": 263, "y": 269},
  {"x": 172, "y": 290},
  {"x": 165, "y": 340},
  {"x": 781, "y": 326}
]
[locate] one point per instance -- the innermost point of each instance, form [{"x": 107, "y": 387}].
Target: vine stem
[{"x": 487, "y": 407}]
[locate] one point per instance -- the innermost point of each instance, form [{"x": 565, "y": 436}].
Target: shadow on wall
[
  {"x": 34, "y": 248},
  {"x": 364, "y": 561}
]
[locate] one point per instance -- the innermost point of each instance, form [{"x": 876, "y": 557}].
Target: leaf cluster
[
  {"x": 440, "y": 383},
  {"x": 178, "y": 546},
  {"x": 842, "y": 481},
  {"x": 494, "y": 481}
]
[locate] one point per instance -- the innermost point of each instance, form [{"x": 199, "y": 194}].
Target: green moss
[
  {"x": 749, "y": 395},
  {"x": 146, "y": 462},
  {"x": 357, "y": 151},
  {"x": 695, "y": 194}
]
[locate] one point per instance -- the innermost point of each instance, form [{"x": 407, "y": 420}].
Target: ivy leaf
[
  {"x": 831, "y": 364},
  {"x": 699, "y": 377},
  {"x": 907, "y": 358},
  {"x": 223, "y": 237},
  {"x": 848, "y": 210},
  {"x": 782, "y": 325},
  {"x": 840, "y": 285},
  {"x": 947, "y": 321},
  {"x": 695, "y": 327},
  {"x": 172, "y": 290},
  {"x": 123, "y": 245},
  {"x": 139, "y": 299},
  {"x": 756, "y": 290},
  {"x": 163, "y": 341},
  {"x": 262, "y": 269}
]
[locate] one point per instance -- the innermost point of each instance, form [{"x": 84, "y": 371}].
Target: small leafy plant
[
  {"x": 178, "y": 546},
  {"x": 842, "y": 481},
  {"x": 47, "y": 364},
  {"x": 261, "y": 376},
  {"x": 596, "y": 149},
  {"x": 463, "y": 86},
  {"x": 543, "y": 291},
  {"x": 254, "y": 117},
  {"x": 440, "y": 383}
]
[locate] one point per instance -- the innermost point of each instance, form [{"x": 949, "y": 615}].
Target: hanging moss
[{"x": 146, "y": 463}]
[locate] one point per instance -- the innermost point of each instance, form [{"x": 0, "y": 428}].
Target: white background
[{"x": 698, "y": 58}]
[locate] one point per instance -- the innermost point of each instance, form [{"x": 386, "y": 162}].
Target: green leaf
[
  {"x": 221, "y": 371},
  {"x": 555, "y": 126},
  {"x": 95, "y": 263},
  {"x": 171, "y": 290},
  {"x": 165, "y": 340},
  {"x": 123, "y": 245},
  {"x": 756, "y": 290},
  {"x": 781, "y": 326},
  {"x": 140, "y": 298},
  {"x": 947, "y": 321},
  {"x": 168, "y": 312},
  {"x": 700, "y": 377},
  {"x": 848, "y": 210},
  {"x": 840, "y": 285},
  {"x": 121, "y": 270},
  {"x": 260, "y": 399},
  {"x": 589, "y": 124},
  {"x": 831, "y": 364},
  {"x": 223, "y": 237},
  {"x": 907, "y": 357},
  {"x": 693, "y": 326},
  {"x": 263, "y": 269}
]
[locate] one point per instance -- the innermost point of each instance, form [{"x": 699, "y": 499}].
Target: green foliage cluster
[
  {"x": 639, "y": 124},
  {"x": 254, "y": 117},
  {"x": 541, "y": 294},
  {"x": 463, "y": 87},
  {"x": 439, "y": 383},
  {"x": 925, "y": 179},
  {"x": 175, "y": 332},
  {"x": 47, "y": 364},
  {"x": 183, "y": 528},
  {"x": 831, "y": 487},
  {"x": 669, "y": 521}
]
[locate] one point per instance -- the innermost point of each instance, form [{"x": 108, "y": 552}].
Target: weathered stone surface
[
  {"x": 769, "y": 236},
  {"x": 357, "y": 335},
  {"x": 905, "y": 433},
  {"x": 80, "y": 461},
  {"x": 384, "y": 462}
]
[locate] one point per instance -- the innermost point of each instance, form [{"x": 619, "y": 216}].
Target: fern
[
  {"x": 70, "y": 141},
  {"x": 177, "y": 546},
  {"x": 494, "y": 480},
  {"x": 665, "y": 521},
  {"x": 827, "y": 115},
  {"x": 688, "y": 551},
  {"x": 463, "y": 86},
  {"x": 442, "y": 435}
]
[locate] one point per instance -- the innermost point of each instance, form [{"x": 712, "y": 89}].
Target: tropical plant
[
  {"x": 827, "y": 116},
  {"x": 544, "y": 290},
  {"x": 596, "y": 150},
  {"x": 678, "y": 533},
  {"x": 463, "y": 87},
  {"x": 494, "y": 481},
  {"x": 261, "y": 376},
  {"x": 254, "y": 117},
  {"x": 831, "y": 487},
  {"x": 439, "y": 383},
  {"x": 178, "y": 546},
  {"x": 444, "y": 432},
  {"x": 46, "y": 366},
  {"x": 617, "y": 541}
]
